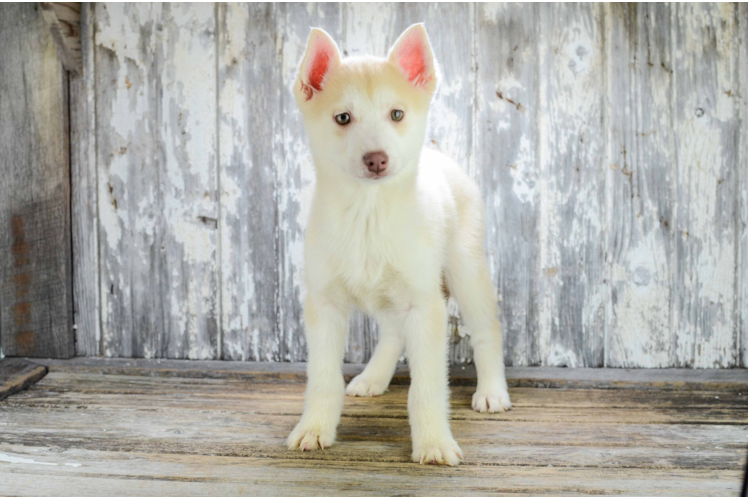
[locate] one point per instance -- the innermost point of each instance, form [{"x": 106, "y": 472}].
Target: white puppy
[{"x": 391, "y": 224}]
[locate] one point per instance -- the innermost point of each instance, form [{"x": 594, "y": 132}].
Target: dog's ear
[
  {"x": 413, "y": 56},
  {"x": 321, "y": 58}
]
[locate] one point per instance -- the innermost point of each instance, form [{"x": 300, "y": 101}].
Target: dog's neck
[{"x": 345, "y": 193}]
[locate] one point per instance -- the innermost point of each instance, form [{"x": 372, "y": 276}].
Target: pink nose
[{"x": 376, "y": 161}]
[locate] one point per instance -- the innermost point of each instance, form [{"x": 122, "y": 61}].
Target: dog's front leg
[
  {"x": 326, "y": 325},
  {"x": 425, "y": 330}
]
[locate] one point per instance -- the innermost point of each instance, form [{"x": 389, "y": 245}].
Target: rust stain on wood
[
  {"x": 22, "y": 317},
  {"x": 22, "y": 283},
  {"x": 25, "y": 342},
  {"x": 20, "y": 248},
  {"x": 517, "y": 105},
  {"x": 22, "y": 313}
]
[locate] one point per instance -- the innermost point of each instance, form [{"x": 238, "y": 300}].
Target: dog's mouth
[{"x": 375, "y": 177}]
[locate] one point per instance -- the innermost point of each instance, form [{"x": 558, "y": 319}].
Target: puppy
[{"x": 390, "y": 222}]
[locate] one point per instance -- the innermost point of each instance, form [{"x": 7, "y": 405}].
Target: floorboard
[
  {"x": 135, "y": 432},
  {"x": 17, "y": 374}
]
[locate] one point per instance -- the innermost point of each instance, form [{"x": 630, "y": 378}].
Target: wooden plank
[
  {"x": 64, "y": 21},
  {"x": 185, "y": 432},
  {"x": 295, "y": 172},
  {"x": 570, "y": 152},
  {"x": 18, "y": 374},
  {"x": 105, "y": 473},
  {"x": 188, "y": 197},
  {"x": 639, "y": 205},
  {"x": 647, "y": 400},
  {"x": 219, "y": 396},
  {"x": 84, "y": 191},
  {"x": 77, "y": 427},
  {"x": 545, "y": 377},
  {"x": 391, "y": 407},
  {"x": 272, "y": 398},
  {"x": 506, "y": 166},
  {"x": 35, "y": 257},
  {"x": 706, "y": 139},
  {"x": 549, "y": 225},
  {"x": 377, "y": 440},
  {"x": 742, "y": 311},
  {"x": 91, "y": 413},
  {"x": 127, "y": 166},
  {"x": 156, "y": 103},
  {"x": 249, "y": 109}
]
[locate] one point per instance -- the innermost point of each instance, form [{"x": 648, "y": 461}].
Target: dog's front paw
[
  {"x": 366, "y": 387},
  {"x": 308, "y": 436},
  {"x": 491, "y": 401},
  {"x": 445, "y": 451}
]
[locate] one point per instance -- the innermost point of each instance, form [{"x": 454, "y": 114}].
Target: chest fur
[
  {"x": 375, "y": 251},
  {"x": 369, "y": 261}
]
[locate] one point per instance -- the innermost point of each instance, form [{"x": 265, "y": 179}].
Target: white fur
[{"x": 383, "y": 245}]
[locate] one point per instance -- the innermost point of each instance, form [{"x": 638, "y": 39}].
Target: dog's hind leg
[
  {"x": 469, "y": 281},
  {"x": 375, "y": 378}
]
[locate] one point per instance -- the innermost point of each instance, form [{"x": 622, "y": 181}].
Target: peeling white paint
[
  {"x": 21, "y": 460},
  {"x": 559, "y": 356},
  {"x": 525, "y": 182},
  {"x": 173, "y": 143}
]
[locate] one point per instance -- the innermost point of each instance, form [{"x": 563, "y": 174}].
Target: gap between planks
[{"x": 541, "y": 377}]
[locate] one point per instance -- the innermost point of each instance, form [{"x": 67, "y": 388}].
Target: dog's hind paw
[
  {"x": 491, "y": 401},
  {"x": 363, "y": 386}
]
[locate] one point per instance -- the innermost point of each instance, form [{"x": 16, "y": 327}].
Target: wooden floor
[{"x": 96, "y": 428}]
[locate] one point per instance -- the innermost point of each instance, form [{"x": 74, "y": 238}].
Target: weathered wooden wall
[
  {"x": 607, "y": 141},
  {"x": 36, "y": 291}
]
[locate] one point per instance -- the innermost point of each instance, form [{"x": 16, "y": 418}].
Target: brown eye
[
  {"x": 396, "y": 115},
  {"x": 343, "y": 119}
]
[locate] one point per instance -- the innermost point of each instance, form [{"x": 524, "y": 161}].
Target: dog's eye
[
  {"x": 396, "y": 115},
  {"x": 343, "y": 119}
]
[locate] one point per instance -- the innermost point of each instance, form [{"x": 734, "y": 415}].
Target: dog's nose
[{"x": 376, "y": 161}]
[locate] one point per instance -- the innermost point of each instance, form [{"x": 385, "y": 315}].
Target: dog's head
[{"x": 366, "y": 116}]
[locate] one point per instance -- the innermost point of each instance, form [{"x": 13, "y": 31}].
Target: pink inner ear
[
  {"x": 411, "y": 56},
  {"x": 319, "y": 66}
]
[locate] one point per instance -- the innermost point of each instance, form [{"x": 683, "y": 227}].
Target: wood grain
[
  {"x": 127, "y": 165},
  {"x": 529, "y": 377},
  {"x": 249, "y": 117},
  {"x": 64, "y": 21},
  {"x": 17, "y": 374},
  {"x": 84, "y": 192},
  {"x": 614, "y": 214},
  {"x": 706, "y": 139},
  {"x": 188, "y": 183},
  {"x": 36, "y": 302},
  {"x": 640, "y": 162},
  {"x": 268, "y": 477},
  {"x": 570, "y": 154},
  {"x": 221, "y": 434},
  {"x": 507, "y": 168},
  {"x": 158, "y": 209},
  {"x": 742, "y": 231}
]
